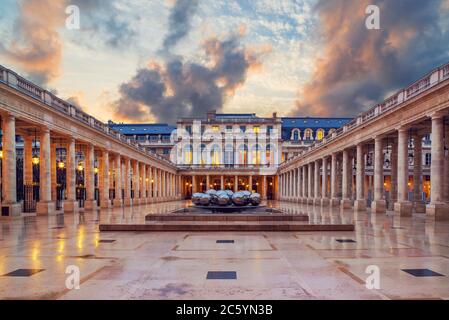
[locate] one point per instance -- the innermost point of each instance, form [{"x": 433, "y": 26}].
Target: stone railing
[
  {"x": 432, "y": 79},
  {"x": 13, "y": 80}
]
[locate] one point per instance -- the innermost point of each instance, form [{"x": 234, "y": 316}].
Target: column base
[
  {"x": 11, "y": 210},
  {"x": 310, "y": 201},
  {"x": 379, "y": 206},
  {"x": 403, "y": 208},
  {"x": 128, "y": 202},
  {"x": 438, "y": 211},
  {"x": 334, "y": 202},
  {"x": 70, "y": 206},
  {"x": 46, "y": 208},
  {"x": 317, "y": 201},
  {"x": 346, "y": 203},
  {"x": 324, "y": 202},
  {"x": 420, "y": 207},
  {"x": 137, "y": 201},
  {"x": 105, "y": 203},
  {"x": 90, "y": 205},
  {"x": 360, "y": 205},
  {"x": 117, "y": 203}
]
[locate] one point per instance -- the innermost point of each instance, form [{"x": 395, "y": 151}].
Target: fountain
[{"x": 226, "y": 201}]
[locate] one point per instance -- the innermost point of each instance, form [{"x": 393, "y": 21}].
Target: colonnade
[
  {"x": 339, "y": 178},
  {"x": 120, "y": 179}
]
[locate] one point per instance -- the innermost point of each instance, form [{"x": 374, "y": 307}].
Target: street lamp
[{"x": 80, "y": 166}]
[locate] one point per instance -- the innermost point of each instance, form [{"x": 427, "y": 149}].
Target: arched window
[
  {"x": 243, "y": 154},
  {"x": 320, "y": 134},
  {"x": 268, "y": 155},
  {"x": 256, "y": 154},
  {"x": 229, "y": 155},
  {"x": 308, "y": 134},
  {"x": 215, "y": 155},
  {"x": 188, "y": 154},
  {"x": 202, "y": 156}
]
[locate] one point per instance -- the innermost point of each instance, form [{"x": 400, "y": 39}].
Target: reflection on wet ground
[{"x": 268, "y": 265}]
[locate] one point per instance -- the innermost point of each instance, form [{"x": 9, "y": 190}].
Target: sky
[{"x": 157, "y": 61}]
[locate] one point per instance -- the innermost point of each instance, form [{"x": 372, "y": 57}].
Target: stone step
[
  {"x": 226, "y": 217},
  {"x": 225, "y": 226}
]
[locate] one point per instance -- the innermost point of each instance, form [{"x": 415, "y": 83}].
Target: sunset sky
[{"x": 137, "y": 61}]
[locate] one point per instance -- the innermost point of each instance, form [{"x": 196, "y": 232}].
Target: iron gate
[{"x": 29, "y": 200}]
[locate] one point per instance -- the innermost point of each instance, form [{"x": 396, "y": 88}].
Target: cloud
[
  {"x": 176, "y": 89},
  {"x": 36, "y": 46},
  {"x": 109, "y": 22},
  {"x": 179, "y": 22},
  {"x": 359, "y": 67}
]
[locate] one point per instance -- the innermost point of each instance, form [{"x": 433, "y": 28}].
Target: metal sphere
[
  {"x": 239, "y": 199},
  {"x": 211, "y": 191},
  {"x": 205, "y": 200},
  {"x": 229, "y": 193},
  {"x": 196, "y": 198},
  {"x": 223, "y": 199},
  {"x": 255, "y": 199}
]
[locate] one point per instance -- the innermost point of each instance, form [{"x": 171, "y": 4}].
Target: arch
[
  {"x": 308, "y": 134},
  {"x": 229, "y": 154},
  {"x": 215, "y": 155},
  {"x": 269, "y": 155},
  {"x": 202, "y": 155},
  {"x": 320, "y": 134},
  {"x": 256, "y": 154},
  {"x": 188, "y": 154},
  {"x": 295, "y": 134},
  {"x": 243, "y": 154}
]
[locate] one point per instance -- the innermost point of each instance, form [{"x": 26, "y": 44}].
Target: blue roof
[
  {"x": 143, "y": 128},
  {"x": 234, "y": 115},
  {"x": 314, "y": 122}
]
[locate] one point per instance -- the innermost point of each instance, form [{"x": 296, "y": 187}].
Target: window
[
  {"x": 256, "y": 129},
  {"x": 166, "y": 138},
  {"x": 229, "y": 154},
  {"x": 215, "y": 155},
  {"x": 203, "y": 128},
  {"x": 141, "y": 138},
  {"x": 308, "y": 134},
  {"x": 202, "y": 156},
  {"x": 153, "y": 137},
  {"x": 256, "y": 154},
  {"x": 229, "y": 128},
  {"x": 243, "y": 154},
  {"x": 189, "y": 129},
  {"x": 187, "y": 154},
  {"x": 320, "y": 134},
  {"x": 243, "y": 129},
  {"x": 269, "y": 129},
  {"x": 166, "y": 151},
  {"x": 268, "y": 154},
  {"x": 215, "y": 128},
  {"x": 428, "y": 159}
]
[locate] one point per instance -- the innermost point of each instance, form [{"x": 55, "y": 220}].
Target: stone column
[
  {"x": 324, "y": 185},
  {"x": 194, "y": 188},
  {"x": 137, "y": 182},
  {"x": 159, "y": 185},
  {"x": 70, "y": 204},
  {"x": 90, "y": 202},
  {"x": 127, "y": 177},
  {"x": 118, "y": 201},
  {"x": 379, "y": 205},
  {"x": 346, "y": 177},
  {"x": 264, "y": 188},
  {"x": 316, "y": 183},
  {"x": 236, "y": 181},
  {"x": 9, "y": 186},
  {"x": 418, "y": 202},
  {"x": 104, "y": 174},
  {"x": 299, "y": 185},
  {"x": 53, "y": 172},
  {"x": 45, "y": 204},
  {"x": 360, "y": 202},
  {"x": 394, "y": 174},
  {"x": 222, "y": 186},
  {"x": 304, "y": 184},
  {"x": 310, "y": 183},
  {"x": 144, "y": 198},
  {"x": 403, "y": 206},
  {"x": 250, "y": 182},
  {"x": 27, "y": 160},
  {"x": 438, "y": 207},
  {"x": 207, "y": 182},
  {"x": 334, "y": 183}
]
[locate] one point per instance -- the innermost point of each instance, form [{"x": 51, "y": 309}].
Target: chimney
[{"x": 211, "y": 114}]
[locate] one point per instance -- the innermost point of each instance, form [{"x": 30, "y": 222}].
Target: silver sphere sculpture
[
  {"x": 205, "y": 200},
  {"x": 196, "y": 198},
  {"x": 254, "y": 199}
]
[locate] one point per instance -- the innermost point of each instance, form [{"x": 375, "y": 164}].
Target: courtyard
[{"x": 36, "y": 250}]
